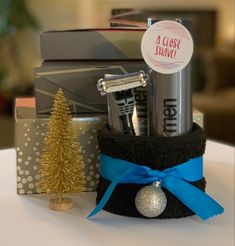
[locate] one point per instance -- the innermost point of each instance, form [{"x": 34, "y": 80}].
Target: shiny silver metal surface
[
  {"x": 138, "y": 118},
  {"x": 170, "y": 103},
  {"x": 113, "y": 83},
  {"x": 127, "y": 102}
]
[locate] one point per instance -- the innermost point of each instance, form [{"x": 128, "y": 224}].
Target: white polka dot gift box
[{"x": 29, "y": 134}]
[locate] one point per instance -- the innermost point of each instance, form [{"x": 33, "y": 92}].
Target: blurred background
[{"x": 21, "y": 22}]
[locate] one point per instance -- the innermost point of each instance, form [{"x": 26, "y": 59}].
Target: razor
[
  {"x": 112, "y": 83},
  {"x": 121, "y": 99}
]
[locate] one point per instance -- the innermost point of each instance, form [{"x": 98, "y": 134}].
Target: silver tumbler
[{"x": 170, "y": 100}]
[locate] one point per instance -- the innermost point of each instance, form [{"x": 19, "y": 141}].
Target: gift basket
[{"x": 160, "y": 174}]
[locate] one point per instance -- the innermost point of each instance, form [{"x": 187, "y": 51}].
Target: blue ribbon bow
[{"x": 175, "y": 179}]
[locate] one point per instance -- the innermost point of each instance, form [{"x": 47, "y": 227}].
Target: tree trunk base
[{"x": 60, "y": 204}]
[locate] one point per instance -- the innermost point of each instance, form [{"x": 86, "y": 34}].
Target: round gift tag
[{"x": 167, "y": 47}]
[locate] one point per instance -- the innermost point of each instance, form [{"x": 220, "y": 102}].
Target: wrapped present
[
  {"x": 92, "y": 44},
  {"x": 78, "y": 79},
  {"x": 29, "y": 135}
]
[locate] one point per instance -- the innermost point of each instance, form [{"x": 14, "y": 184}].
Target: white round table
[{"x": 26, "y": 220}]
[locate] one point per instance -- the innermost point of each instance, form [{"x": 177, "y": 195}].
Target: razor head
[{"x": 113, "y": 83}]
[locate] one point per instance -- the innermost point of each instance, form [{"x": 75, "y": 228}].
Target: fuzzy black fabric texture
[
  {"x": 122, "y": 200},
  {"x": 157, "y": 153}
]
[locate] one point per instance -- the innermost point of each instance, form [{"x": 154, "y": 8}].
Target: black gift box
[
  {"x": 92, "y": 44},
  {"x": 78, "y": 80}
]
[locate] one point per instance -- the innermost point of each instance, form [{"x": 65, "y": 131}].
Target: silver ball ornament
[{"x": 150, "y": 201}]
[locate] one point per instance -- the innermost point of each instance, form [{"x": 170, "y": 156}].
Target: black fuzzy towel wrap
[{"x": 157, "y": 153}]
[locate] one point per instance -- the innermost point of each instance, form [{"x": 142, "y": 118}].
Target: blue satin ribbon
[{"x": 175, "y": 179}]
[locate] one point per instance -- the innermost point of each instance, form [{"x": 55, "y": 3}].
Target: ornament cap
[
  {"x": 60, "y": 203},
  {"x": 156, "y": 184}
]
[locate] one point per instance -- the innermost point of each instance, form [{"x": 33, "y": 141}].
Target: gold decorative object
[
  {"x": 61, "y": 166},
  {"x": 60, "y": 204}
]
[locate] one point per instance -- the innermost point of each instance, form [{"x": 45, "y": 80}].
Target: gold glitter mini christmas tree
[{"x": 61, "y": 164}]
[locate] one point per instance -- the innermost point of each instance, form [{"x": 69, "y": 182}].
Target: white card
[{"x": 167, "y": 47}]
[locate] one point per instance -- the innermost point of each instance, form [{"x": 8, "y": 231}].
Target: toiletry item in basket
[
  {"x": 122, "y": 110},
  {"x": 169, "y": 89}
]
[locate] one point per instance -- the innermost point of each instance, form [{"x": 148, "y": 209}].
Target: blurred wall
[
  {"x": 53, "y": 14},
  {"x": 61, "y": 14},
  {"x": 64, "y": 14},
  {"x": 69, "y": 14},
  {"x": 225, "y": 8}
]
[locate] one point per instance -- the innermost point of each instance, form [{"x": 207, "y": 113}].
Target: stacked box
[
  {"x": 78, "y": 79},
  {"x": 92, "y": 44},
  {"x": 29, "y": 135},
  {"x": 74, "y": 61}
]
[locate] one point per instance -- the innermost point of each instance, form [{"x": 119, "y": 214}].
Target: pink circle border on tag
[{"x": 166, "y": 65}]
